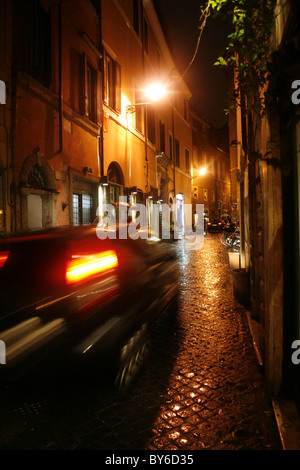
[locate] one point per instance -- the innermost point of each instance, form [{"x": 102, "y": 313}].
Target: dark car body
[
  {"x": 215, "y": 225},
  {"x": 67, "y": 297},
  {"x": 229, "y": 227},
  {"x": 227, "y": 224}
]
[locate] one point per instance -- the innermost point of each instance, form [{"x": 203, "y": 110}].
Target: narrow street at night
[{"x": 201, "y": 389}]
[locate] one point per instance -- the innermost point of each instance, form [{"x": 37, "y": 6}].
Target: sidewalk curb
[
  {"x": 256, "y": 333},
  {"x": 286, "y": 415},
  {"x": 288, "y": 423}
]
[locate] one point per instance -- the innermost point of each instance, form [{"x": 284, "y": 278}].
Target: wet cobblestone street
[
  {"x": 215, "y": 397},
  {"x": 202, "y": 387}
]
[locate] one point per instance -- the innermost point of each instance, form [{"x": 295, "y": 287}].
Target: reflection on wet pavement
[{"x": 201, "y": 388}]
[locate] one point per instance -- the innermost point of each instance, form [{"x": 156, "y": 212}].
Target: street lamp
[
  {"x": 104, "y": 180},
  {"x": 155, "y": 91}
]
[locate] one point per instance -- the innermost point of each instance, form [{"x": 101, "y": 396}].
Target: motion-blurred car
[
  {"x": 214, "y": 225},
  {"x": 69, "y": 299},
  {"x": 229, "y": 227}
]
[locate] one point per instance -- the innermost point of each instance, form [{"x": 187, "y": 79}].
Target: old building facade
[
  {"x": 78, "y": 129},
  {"x": 56, "y": 96},
  {"x": 6, "y": 175},
  {"x": 211, "y": 168},
  {"x": 265, "y": 183},
  {"x": 147, "y": 144}
]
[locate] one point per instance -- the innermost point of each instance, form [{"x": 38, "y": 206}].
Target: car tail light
[
  {"x": 3, "y": 258},
  {"x": 80, "y": 268}
]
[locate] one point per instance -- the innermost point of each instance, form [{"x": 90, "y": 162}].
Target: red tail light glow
[
  {"x": 3, "y": 258},
  {"x": 81, "y": 268}
]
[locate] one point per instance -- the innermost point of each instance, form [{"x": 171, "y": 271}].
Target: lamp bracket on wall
[{"x": 87, "y": 170}]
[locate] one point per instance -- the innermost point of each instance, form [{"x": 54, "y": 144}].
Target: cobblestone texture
[{"x": 202, "y": 387}]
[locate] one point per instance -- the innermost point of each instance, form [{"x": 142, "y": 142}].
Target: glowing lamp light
[
  {"x": 155, "y": 91},
  {"x": 83, "y": 267},
  {"x": 202, "y": 171}
]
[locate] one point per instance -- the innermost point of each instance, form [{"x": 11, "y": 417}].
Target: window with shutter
[
  {"x": 34, "y": 54},
  {"x": 92, "y": 91},
  {"x": 151, "y": 124},
  {"x": 177, "y": 153},
  {"x": 112, "y": 83},
  {"x": 162, "y": 136}
]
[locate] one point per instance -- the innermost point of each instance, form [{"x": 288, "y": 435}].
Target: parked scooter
[{"x": 231, "y": 239}]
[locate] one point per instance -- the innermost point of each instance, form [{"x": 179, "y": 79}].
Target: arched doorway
[
  {"x": 115, "y": 179},
  {"x": 38, "y": 193},
  {"x": 115, "y": 174}
]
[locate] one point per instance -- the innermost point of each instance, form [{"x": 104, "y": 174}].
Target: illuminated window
[{"x": 82, "y": 209}]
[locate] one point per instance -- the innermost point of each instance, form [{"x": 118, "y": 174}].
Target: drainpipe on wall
[
  {"x": 145, "y": 106},
  {"x": 100, "y": 151},
  {"x": 13, "y": 93},
  {"x": 100, "y": 137},
  {"x": 173, "y": 144}
]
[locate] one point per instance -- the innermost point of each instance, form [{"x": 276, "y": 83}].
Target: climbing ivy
[{"x": 248, "y": 47}]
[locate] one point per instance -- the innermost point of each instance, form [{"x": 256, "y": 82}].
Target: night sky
[{"x": 206, "y": 81}]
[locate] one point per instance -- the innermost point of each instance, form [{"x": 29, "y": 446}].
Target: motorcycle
[{"x": 231, "y": 240}]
